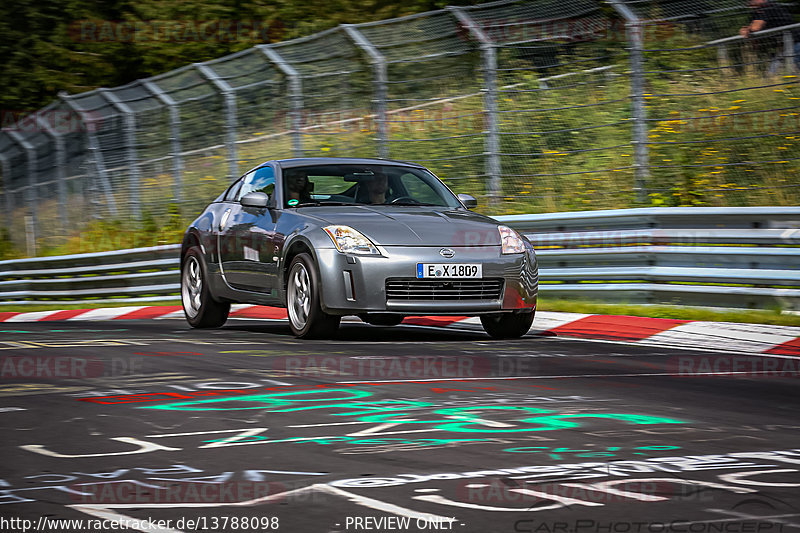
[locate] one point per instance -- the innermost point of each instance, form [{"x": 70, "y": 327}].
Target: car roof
[{"x": 305, "y": 161}]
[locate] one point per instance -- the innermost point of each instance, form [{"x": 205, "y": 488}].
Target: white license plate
[{"x": 449, "y": 270}]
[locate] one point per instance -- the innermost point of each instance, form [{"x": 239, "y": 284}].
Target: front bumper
[{"x": 356, "y": 284}]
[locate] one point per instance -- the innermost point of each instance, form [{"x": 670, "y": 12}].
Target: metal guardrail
[
  {"x": 135, "y": 275},
  {"x": 716, "y": 256},
  {"x": 729, "y": 257}
]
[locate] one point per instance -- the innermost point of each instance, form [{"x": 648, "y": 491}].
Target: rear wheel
[
  {"x": 306, "y": 317},
  {"x": 201, "y": 310},
  {"x": 507, "y": 325}
]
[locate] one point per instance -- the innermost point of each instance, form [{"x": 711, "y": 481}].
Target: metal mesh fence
[
  {"x": 434, "y": 112},
  {"x": 530, "y": 105},
  {"x": 564, "y": 106},
  {"x": 721, "y": 114},
  {"x": 331, "y": 94}
]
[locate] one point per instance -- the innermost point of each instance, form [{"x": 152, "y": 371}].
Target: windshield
[{"x": 365, "y": 185}]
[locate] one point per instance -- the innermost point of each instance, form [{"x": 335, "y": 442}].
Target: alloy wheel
[
  {"x": 192, "y": 287},
  {"x": 299, "y": 296}
]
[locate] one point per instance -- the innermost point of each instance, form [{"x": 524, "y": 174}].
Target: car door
[{"x": 246, "y": 238}]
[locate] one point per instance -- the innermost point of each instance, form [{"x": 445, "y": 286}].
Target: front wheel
[
  {"x": 201, "y": 310},
  {"x": 507, "y": 325},
  {"x": 306, "y": 317}
]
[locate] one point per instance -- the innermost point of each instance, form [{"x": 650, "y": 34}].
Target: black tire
[
  {"x": 507, "y": 325},
  {"x": 200, "y": 308},
  {"x": 306, "y": 317},
  {"x": 381, "y": 319}
]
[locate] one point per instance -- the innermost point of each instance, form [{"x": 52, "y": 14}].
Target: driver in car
[{"x": 377, "y": 189}]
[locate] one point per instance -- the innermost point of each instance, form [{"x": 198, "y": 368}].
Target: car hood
[{"x": 413, "y": 226}]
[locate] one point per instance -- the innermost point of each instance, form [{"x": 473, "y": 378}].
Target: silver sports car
[{"x": 328, "y": 237}]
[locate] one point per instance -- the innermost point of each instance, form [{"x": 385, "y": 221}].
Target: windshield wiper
[
  {"x": 423, "y": 204},
  {"x": 315, "y": 203}
]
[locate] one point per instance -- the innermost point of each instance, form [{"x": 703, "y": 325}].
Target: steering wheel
[{"x": 404, "y": 198}]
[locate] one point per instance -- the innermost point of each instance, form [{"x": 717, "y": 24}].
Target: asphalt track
[{"x": 388, "y": 429}]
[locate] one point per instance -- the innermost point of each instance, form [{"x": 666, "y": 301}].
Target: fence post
[
  {"x": 9, "y": 200},
  {"x": 94, "y": 149},
  {"x": 380, "y": 80},
  {"x": 641, "y": 163},
  {"x": 229, "y": 95},
  {"x": 295, "y": 95},
  {"x": 61, "y": 170},
  {"x": 788, "y": 51},
  {"x": 722, "y": 55},
  {"x": 174, "y": 135},
  {"x": 130, "y": 141},
  {"x": 489, "y": 55},
  {"x": 30, "y": 191}
]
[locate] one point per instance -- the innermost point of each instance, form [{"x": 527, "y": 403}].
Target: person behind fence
[{"x": 765, "y": 15}]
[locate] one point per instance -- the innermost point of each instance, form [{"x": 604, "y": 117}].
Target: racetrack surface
[{"x": 411, "y": 428}]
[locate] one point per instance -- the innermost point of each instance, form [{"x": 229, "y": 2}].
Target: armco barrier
[
  {"x": 728, "y": 257},
  {"x": 140, "y": 274}
]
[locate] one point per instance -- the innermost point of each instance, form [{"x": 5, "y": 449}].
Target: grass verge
[{"x": 751, "y": 316}]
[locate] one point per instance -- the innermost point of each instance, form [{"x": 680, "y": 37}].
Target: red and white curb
[{"x": 714, "y": 336}]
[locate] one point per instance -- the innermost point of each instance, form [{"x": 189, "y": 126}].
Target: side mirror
[
  {"x": 468, "y": 200},
  {"x": 255, "y": 199}
]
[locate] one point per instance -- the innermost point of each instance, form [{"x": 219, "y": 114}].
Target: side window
[
  {"x": 230, "y": 196},
  {"x": 261, "y": 180}
]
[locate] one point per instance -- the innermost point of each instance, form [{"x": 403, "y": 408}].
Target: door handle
[{"x": 224, "y": 219}]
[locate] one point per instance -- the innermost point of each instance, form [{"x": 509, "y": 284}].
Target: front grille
[{"x": 437, "y": 290}]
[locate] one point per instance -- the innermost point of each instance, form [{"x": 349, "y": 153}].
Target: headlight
[
  {"x": 512, "y": 242},
  {"x": 349, "y": 241}
]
